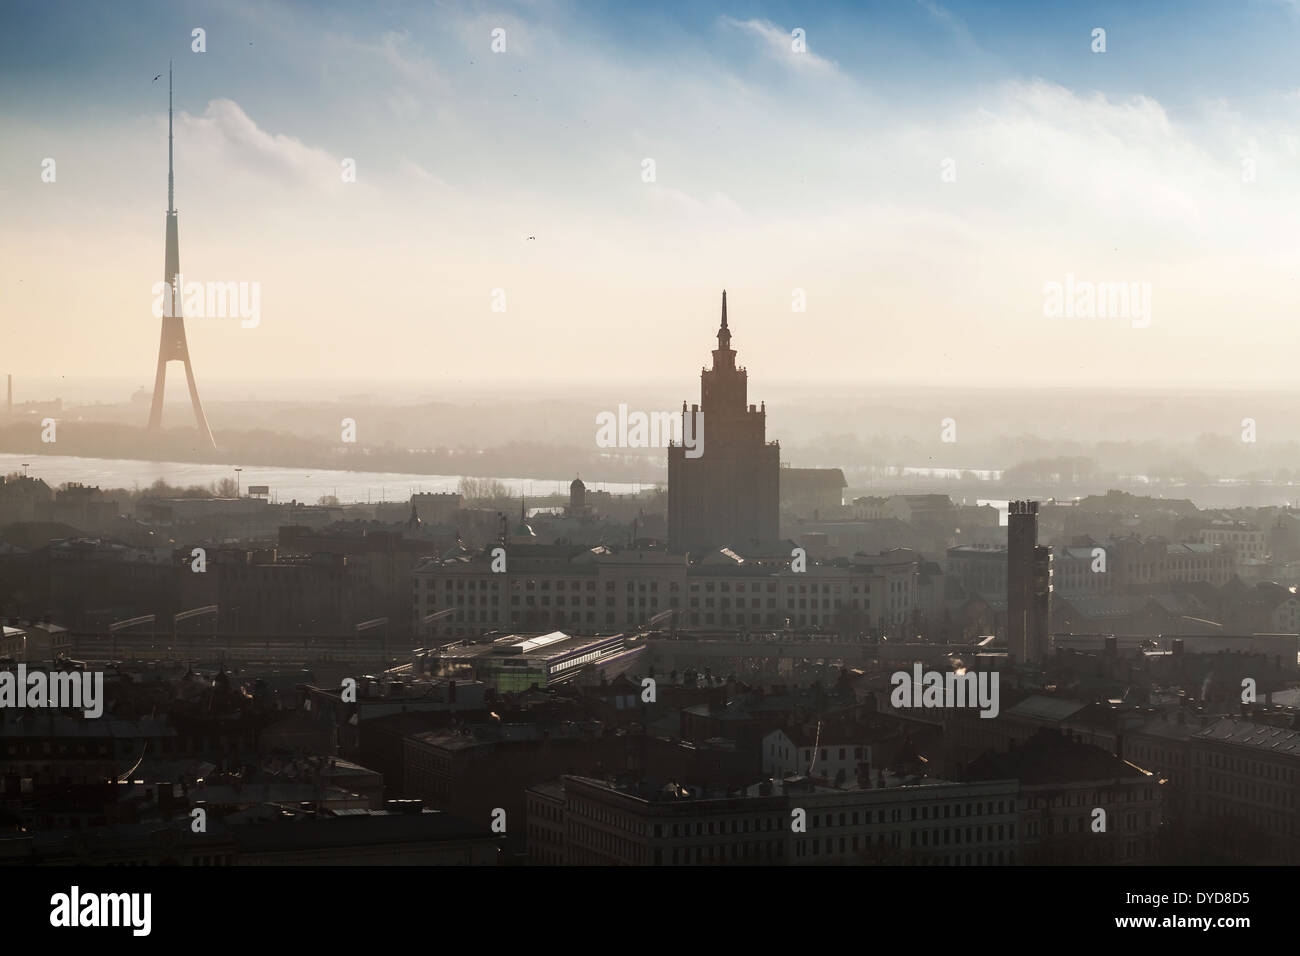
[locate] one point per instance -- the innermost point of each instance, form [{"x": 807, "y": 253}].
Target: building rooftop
[
  {"x": 1053, "y": 709},
  {"x": 1050, "y": 757},
  {"x": 523, "y": 646},
  {"x": 1168, "y": 727},
  {"x": 554, "y": 789},
  {"x": 357, "y": 829},
  {"x": 1258, "y": 737}
]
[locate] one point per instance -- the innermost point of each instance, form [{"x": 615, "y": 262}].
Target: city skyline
[{"x": 459, "y": 563}]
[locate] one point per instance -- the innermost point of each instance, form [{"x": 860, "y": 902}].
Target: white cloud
[
  {"x": 951, "y": 22},
  {"x": 399, "y": 52},
  {"x": 227, "y": 138},
  {"x": 779, "y": 44}
]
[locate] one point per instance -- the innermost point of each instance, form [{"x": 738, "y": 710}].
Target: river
[{"x": 285, "y": 483}]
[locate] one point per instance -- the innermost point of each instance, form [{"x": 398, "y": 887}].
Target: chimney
[{"x": 451, "y": 691}]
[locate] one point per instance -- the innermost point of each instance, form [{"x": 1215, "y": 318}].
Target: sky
[{"x": 916, "y": 177}]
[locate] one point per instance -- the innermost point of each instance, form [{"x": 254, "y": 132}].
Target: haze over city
[{"x": 581, "y": 435}]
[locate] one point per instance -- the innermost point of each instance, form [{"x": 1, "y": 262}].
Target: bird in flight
[
  {"x": 532, "y": 237},
  {"x": 155, "y": 79}
]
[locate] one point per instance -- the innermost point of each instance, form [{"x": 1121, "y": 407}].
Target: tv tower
[{"x": 172, "y": 346}]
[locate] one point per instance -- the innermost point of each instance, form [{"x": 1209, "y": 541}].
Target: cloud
[
  {"x": 405, "y": 105},
  {"x": 717, "y": 208},
  {"x": 951, "y": 22},
  {"x": 772, "y": 175},
  {"x": 398, "y": 51},
  {"x": 410, "y": 168},
  {"x": 779, "y": 43},
  {"x": 228, "y": 138},
  {"x": 1291, "y": 6}
]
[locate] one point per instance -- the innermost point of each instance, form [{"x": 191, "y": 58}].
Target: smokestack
[{"x": 9, "y": 406}]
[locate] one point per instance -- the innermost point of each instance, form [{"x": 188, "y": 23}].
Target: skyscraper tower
[
  {"x": 172, "y": 346},
  {"x": 729, "y": 494},
  {"x": 1029, "y": 585}
]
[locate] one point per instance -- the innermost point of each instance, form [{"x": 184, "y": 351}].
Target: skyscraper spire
[
  {"x": 724, "y": 333},
  {"x": 723, "y": 355}
]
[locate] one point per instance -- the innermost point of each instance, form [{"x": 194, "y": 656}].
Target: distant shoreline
[
  {"x": 309, "y": 483},
  {"x": 286, "y": 483}
]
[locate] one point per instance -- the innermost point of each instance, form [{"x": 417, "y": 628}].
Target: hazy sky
[{"x": 774, "y": 171}]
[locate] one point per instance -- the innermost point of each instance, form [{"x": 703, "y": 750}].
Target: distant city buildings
[
  {"x": 700, "y": 676},
  {"x": 812, "y": 492},
  {"x": 589, "y": 589}
]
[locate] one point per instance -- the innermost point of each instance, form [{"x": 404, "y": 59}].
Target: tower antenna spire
[
  {"x": 171, "y": 181},
  {"x": 172, "y": 346}
]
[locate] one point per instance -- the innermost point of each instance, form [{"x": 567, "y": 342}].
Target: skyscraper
[
  {"x": 1029, "y": 585},
  {"x": 172, "y": 346},
  {"x": 729, "y": 494}
]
